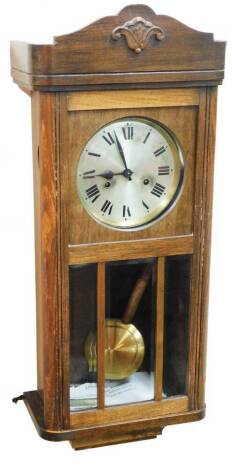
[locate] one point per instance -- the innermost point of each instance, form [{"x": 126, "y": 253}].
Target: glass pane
[
  {"x": 129, "y": 332},
  {"x": 83, "y": 377},
  {"x": 176, "y": 324}
]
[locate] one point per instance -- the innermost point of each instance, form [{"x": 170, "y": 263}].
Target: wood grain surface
[
  {"x": 82, "y": 125},
  {"x": 131, "y": 412},
  {"x": 132, "y": 99},
  {"x": 99, "y": 252},
  {"x": 93, "y": 51},
  {"x": 47, "y": 230}
]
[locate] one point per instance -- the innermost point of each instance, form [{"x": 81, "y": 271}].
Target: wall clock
[{"x": 123, "y": 116}]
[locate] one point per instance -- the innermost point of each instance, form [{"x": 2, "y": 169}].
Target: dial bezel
[{"x": 174, "y": 191}]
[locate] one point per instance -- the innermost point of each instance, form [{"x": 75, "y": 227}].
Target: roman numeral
[
  {"x": 93, "y": 193},
  {"x": 147, "y": 136},
  {"x": 163, "y": 170},
  {"x": 89, "y": 174},
  {"x": 145, "y": 205},
  {"x": 128, "y": 133},
  {"x": 94, "y": 154},
  {"x": 107, "y": 207},
  {"x": 159, "y": 151},
  {"x": 108, "y": 139},
  {"x": 126, "y": 211},
  {"x": 158, "y": 190}
]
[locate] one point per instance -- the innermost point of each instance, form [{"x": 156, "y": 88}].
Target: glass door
[
  {"x": 83, "y": 319},
  {"x": 129, "y": 331}
]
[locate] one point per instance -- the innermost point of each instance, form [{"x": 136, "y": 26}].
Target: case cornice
[{"x": 92, "y": 55}]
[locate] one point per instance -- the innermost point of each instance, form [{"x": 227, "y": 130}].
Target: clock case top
[
  {"x": 135, "y": 48},
  {"x": 103, "y": 58}
]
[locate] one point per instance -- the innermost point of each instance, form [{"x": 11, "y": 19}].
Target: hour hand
[
  {"x": 91, "y": 174},
  {"x": 108, "y": 175}
]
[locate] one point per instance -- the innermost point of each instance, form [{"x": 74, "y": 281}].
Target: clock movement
[{"x": 123, "y": 119}]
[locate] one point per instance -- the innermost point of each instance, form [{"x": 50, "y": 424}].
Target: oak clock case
[{"x": 123, "y": 116}]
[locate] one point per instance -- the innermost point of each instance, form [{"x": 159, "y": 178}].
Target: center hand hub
[{"x": 127, "y": 173}]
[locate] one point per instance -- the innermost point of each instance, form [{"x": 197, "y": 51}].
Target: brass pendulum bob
[{"x": 124, "y": 345}]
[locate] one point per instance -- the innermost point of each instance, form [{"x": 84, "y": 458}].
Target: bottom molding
[
  {"x": 112, "y": 433},
  {"x": 96, "y": 440}
]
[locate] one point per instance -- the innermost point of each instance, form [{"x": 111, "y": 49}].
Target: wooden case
[{"x": 136, "y": 63}]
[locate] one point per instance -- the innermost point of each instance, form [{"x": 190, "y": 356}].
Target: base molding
[
  {"x": 111, "y": 433},
  {"x": 98, "y": 440}
]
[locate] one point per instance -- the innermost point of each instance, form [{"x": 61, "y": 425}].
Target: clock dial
[{"x": 130, "y": 173}]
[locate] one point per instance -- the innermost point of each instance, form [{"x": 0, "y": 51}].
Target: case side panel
[
  {"x": 206, "y": 239},
  {"x": 35, "y": 110},
  {"x": 47, "y": 230}
]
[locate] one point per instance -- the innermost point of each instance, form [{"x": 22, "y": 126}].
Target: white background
[{"x": 194, "y": 445}]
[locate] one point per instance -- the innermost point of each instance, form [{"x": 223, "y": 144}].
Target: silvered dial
[{"x": 130, "y": 173}]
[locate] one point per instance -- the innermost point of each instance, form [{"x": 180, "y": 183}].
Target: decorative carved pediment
[
  {"x": 137, "y": 33},
  {"x": 137, "y": 46}
]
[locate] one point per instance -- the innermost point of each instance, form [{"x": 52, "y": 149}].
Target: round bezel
[{"x": 164, "y": 204}]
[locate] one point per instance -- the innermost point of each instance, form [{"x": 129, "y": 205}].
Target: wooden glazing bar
[
  {"x": 100, "y": 334},
  {"x": 159, "y": 335}
]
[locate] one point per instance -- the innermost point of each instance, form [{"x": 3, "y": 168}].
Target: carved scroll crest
[{"x": 137, "y": 33}]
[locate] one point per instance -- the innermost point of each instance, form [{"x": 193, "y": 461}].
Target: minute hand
[{"x": 120, "y": 151}]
